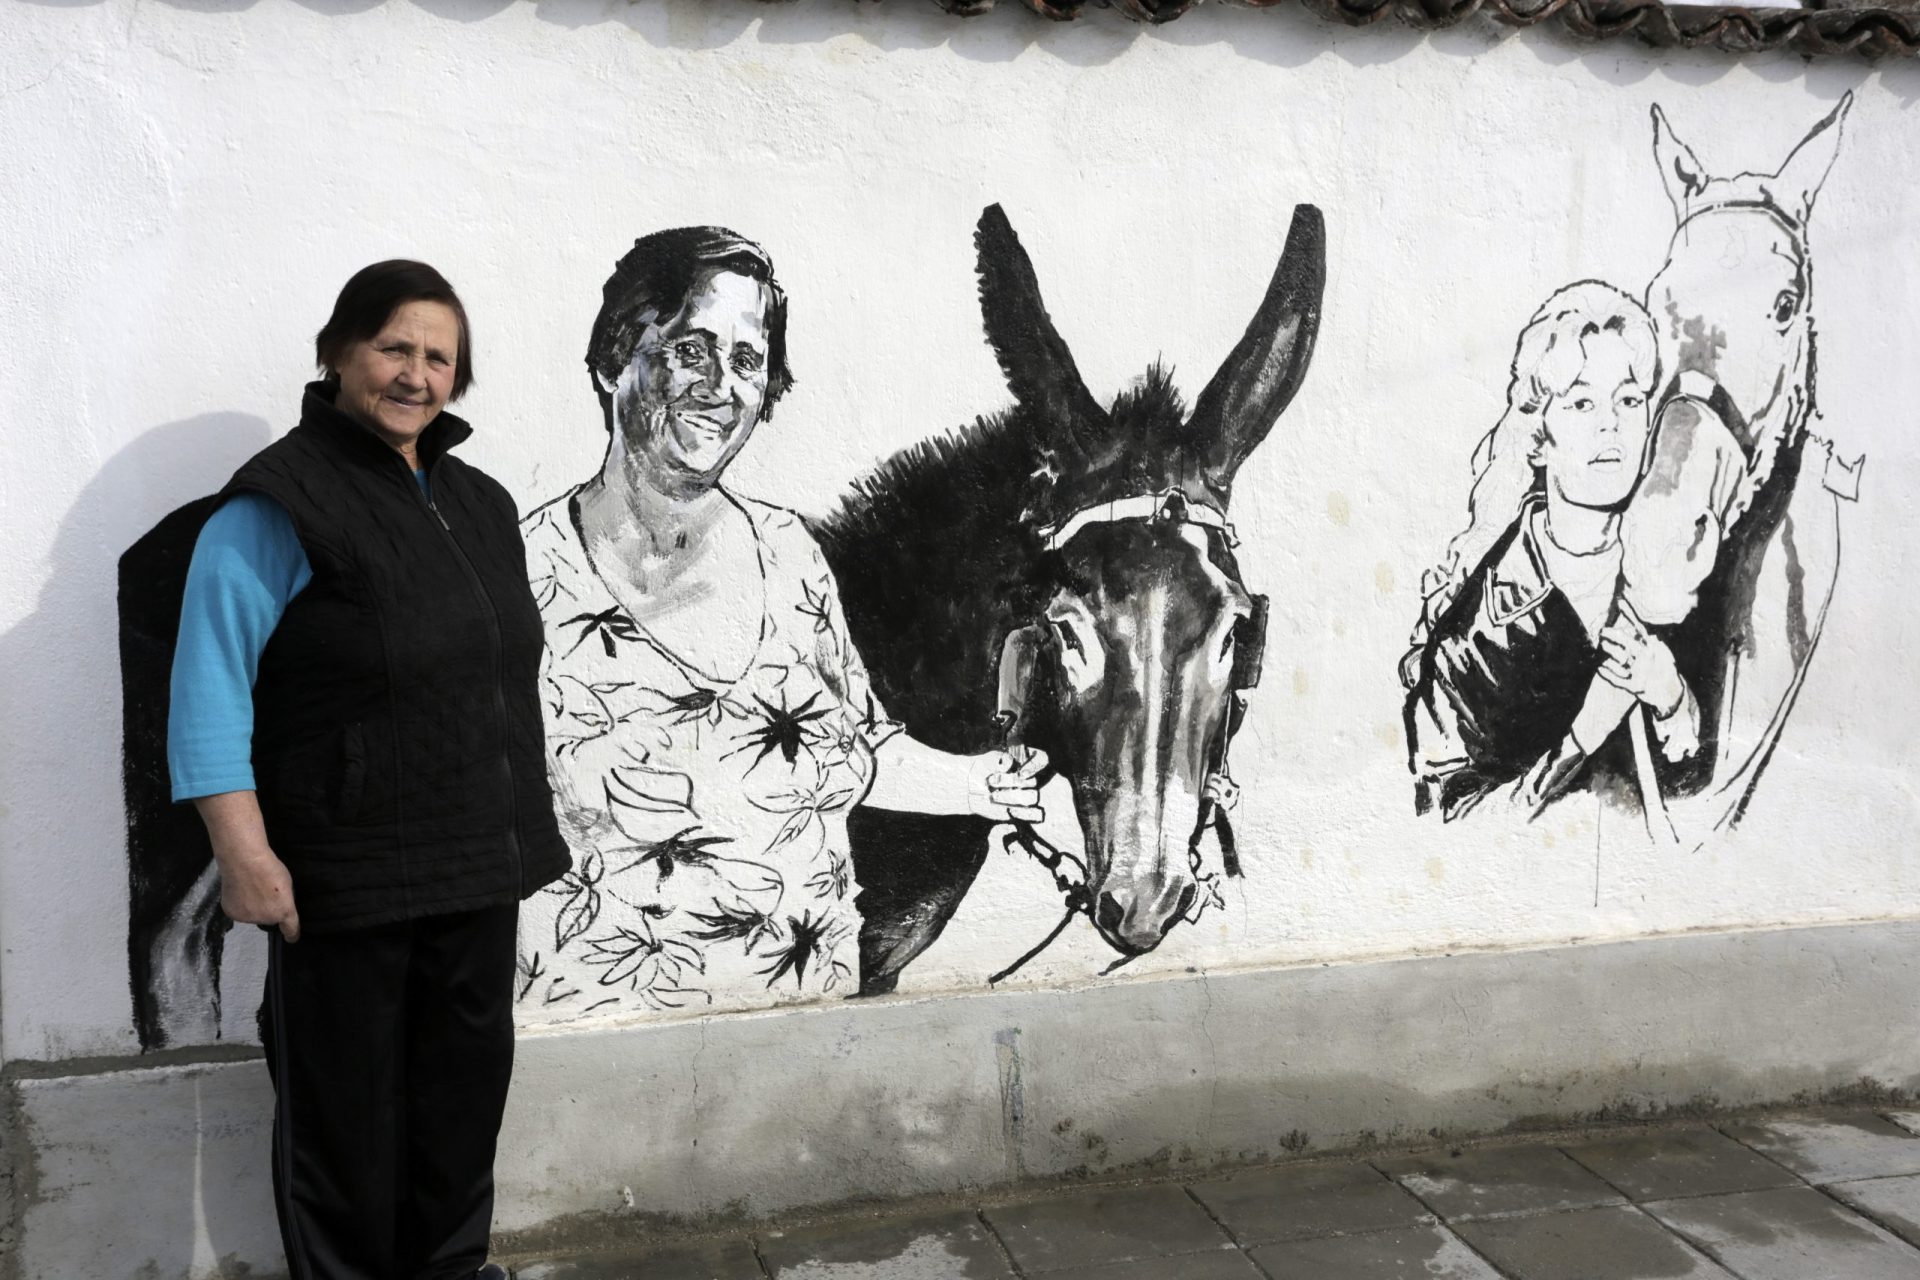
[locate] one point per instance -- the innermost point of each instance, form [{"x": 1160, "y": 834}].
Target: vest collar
[{"x": 318, "y": 414}]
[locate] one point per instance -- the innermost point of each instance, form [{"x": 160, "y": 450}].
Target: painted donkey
[
  {"x": 1083, "y": 554},
  {"x": 1733, "y": 538}
]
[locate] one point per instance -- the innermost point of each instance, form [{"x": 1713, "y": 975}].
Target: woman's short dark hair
[
  {"x": 369, "y": 299},
  {"x": 652, "y": 282}
]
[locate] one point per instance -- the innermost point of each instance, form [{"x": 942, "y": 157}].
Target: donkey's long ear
[
  {"x": 1039, "y": 369},
  {"x": 1680, "y": 170},
  {"x": 1799, "y": 179},
  {"x": 1258, "y": 379}
]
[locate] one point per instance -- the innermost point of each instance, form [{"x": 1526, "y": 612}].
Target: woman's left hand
[
  {"x": 1640, "y": 663},
  {"x": 1004, "y": 789}
]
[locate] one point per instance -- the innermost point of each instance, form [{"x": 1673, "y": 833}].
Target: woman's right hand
[
  {"x": 256, "y": 889},
  {"x": 254, "y": 885}
]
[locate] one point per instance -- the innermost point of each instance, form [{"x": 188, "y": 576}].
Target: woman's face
[
  {"x": 1596, "y": 430},
  {"x": 688, "y": 401},
  {"x": 397, "y": 381}
]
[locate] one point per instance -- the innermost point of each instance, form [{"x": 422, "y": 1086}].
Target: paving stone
[
  {"x": 1220, "y": 1264},
  {"x": 1491, "y": 1182},
  {"x": 730, "y": 1259},
  {"x": 1588, "y": 1244},
  {"x": 1419, "y": 1253},
  {"x": 941, "y": 1246},
  {"x": 1835, "y": 1148},
  {"x": 1908, "y": 1120},
  {"x": 1694, "y": 1161},
  {"x": 1894, "y": 1203},
  {"x": 1302, "y": 1202},
  {"x": 1793, "y": 1234},
  {"x": 1092, "y": 1227}
]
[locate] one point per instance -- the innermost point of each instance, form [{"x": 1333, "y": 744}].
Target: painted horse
[
  {"x": 1060, "y": 575},
  {"x": 1733, "y": 538}
]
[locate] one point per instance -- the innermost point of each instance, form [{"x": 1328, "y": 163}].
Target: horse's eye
[
  {"x": 1226, "y": 645},
  {"x": 1069, "y": 638},
  {"x": 1785, "y": 306}
]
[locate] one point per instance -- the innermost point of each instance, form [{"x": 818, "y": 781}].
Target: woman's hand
[
  {"x": 1004, "y": 789},
  {"x": 1640, "y": 663},
  {"x": 254, "y": 885},
  {"x": 256, "y": 889}
]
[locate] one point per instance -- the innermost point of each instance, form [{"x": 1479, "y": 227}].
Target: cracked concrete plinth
[{"x": 623, "y": 1131}]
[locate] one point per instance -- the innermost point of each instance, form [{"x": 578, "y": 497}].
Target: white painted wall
[{"x": 184, "y": 191}]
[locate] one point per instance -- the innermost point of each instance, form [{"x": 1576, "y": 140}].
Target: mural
[
  {"x": 1653, "y": 529},
  {"x": 1628, "y": 612}
]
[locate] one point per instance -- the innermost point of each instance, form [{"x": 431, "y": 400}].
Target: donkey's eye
[
  {"x": 1069, "y": 638},
  {"x": 1786, "y": 306}
]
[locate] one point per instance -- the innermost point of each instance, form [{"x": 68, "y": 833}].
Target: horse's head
[
  {"x": 1733, "y": 299},
  {"x": 1140, "y": 599}
]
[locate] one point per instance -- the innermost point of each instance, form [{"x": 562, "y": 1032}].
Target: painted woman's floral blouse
[{"x": 707, "y": 816}]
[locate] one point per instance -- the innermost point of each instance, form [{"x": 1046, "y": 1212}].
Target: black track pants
[{"x": 390, "y": 1049}]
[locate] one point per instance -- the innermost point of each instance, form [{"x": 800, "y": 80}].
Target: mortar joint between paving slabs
[
  {"x": 1845, "y": 1204},
  {"x": 993, "y": 1234},
  {"x": 1633, "y": 1205},
  {"x": 1440, "y": 1219},
  {"x": 1238, "y": 1246}
]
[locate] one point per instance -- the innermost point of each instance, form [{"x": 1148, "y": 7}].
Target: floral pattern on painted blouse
[{"x": 707, "y": 817}]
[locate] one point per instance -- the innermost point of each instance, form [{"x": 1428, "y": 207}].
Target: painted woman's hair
[
  {"x": 368, "y": 300},
  {"x": 1547, "y": 360},
  {"x": 654, "y": 280}
]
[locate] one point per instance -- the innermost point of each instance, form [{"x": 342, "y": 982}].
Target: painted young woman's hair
[
  {"x": 654, "y": 280},
  {"x": 368, "y": 300},
  {"x": 1547, "y": 360}
]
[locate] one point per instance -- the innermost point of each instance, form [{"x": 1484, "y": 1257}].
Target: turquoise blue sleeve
[{"x": 247, "y": 566}]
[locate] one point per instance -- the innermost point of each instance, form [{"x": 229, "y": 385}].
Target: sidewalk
[{"x": 1824, "y": 1195}]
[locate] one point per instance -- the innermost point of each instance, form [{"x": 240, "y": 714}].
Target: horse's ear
[
  {"x": 1680, "y": 171},
  {"x": 1257, "y": 380},
  {"x": 1799, "y": 179},
  {"x": 1038, "y": 367}
]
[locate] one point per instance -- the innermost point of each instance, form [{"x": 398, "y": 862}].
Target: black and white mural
[
  {"x": 788, "y": 730},
  {"x": 1652, "y": 534}
]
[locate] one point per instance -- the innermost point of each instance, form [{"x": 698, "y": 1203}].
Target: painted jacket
[{"x": 1503, "y": 682}]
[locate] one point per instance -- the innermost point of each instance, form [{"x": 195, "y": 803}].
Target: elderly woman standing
[
  {"x": 355, "y": 715},
  {"x": 1529, "y": 656},
  {"x": 710, "y": 722}
]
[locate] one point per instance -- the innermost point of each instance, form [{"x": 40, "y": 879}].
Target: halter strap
[
  {"x": 1169, "y": 504},
  {"x": 1787, "y": 223}
]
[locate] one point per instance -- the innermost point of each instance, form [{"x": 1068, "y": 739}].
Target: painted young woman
[
  {"x": 709, "y": 722},
  {"x": 1528, "y": 659}
]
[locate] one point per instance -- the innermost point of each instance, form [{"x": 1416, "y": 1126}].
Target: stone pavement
[{"x": 1827, "y": 1195}]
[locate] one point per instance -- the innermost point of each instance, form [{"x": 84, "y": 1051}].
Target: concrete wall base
[{"x": 161, "y": 1172}]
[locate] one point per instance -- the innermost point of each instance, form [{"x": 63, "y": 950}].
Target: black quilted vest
[{"x": 397, "y": 746}]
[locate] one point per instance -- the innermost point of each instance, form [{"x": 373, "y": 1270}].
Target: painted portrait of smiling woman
[
  {"x": 709, "y": 722},
  {"x": 1530, "y": 666}
]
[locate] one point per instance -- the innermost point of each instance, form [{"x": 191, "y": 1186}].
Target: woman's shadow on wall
[
  {"x": 53, "y": 662},
  {"x": 176, "y": 935}
]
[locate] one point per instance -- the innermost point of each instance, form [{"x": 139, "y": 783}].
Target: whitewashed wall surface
[{"x": 1687, "y": 703}]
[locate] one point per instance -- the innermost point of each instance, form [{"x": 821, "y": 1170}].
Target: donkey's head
[
  {"x": 1140, "y": 596},
  {"x": 1734, "y": 298}
]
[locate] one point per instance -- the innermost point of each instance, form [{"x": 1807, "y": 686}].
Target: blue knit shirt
[{"x": 247, "y": 566}]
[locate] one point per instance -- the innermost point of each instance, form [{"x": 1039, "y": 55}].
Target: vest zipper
[{"x": 499, "y": 678}]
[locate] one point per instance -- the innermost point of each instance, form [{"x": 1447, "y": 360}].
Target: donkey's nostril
[
  {"x": 1108, "y": 915},
  {"x": 1187, "y": 895}
]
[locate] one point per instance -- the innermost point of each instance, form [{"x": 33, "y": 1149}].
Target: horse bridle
[{"x": 1020, "y": 658}]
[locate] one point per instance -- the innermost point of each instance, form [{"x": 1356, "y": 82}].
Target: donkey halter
[{"x": 1020, "y": 658}]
